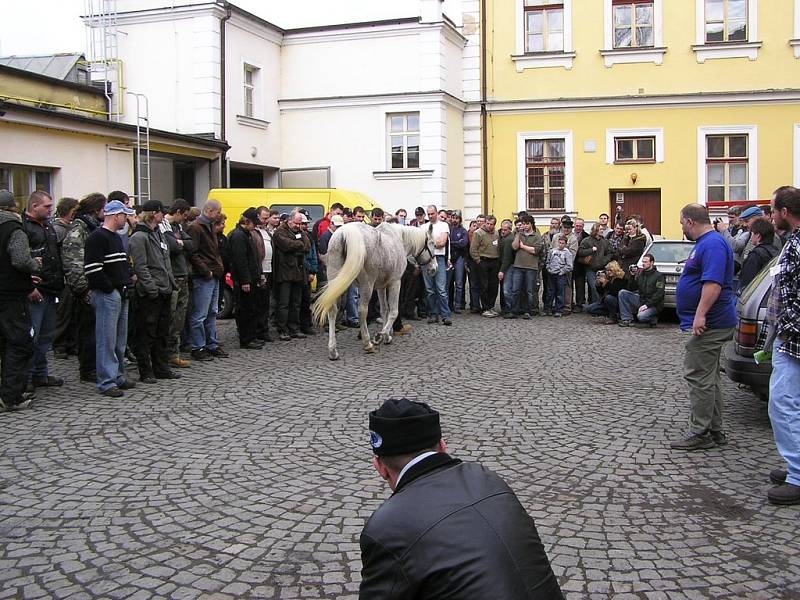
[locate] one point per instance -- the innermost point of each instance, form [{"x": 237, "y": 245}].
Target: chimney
[{"x": 430, "y": 11}]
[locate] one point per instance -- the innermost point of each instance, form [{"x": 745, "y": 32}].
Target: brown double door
[{"x": 638, "y": 202}]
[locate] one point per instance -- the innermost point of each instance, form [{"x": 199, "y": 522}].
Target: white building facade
[{"x": 376, "y": 107}]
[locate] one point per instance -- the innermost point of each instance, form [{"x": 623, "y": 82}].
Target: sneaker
[
  {"x": 148, "y": 379},
  {"x": 696, "y": 441},
  {"x": 625, "y": 323},
  {"x": 267, "y": 338},
  {"x": 405, "y": 330},
  {"x": 526, "y": 316},
  {"x": 720, "y": 437},
  {"x": 298, "y": 335},
  {"x": 432, "y": 320},
  {"x": 48, "y": 381},
  {"x": 252, "y": 345},
  {"x": 218, "y": 353},
  {"x": 285, "y": 337},
  {"x": 127, "y": 385},
  {"x": 509, "y": 315},
  {"x": 784, "y": 494},
  {"x": 610, "y": 321},
  {"x": 113, "y": 392},
  {"x": 202, "y": 355},
  {"x": 181, "y": 363},
  {"x": 447, "y": 322},
  {"x": 23, "y": 404},
  {"x": 557, "y": 314},
  {"x": 778, "y": 476}
]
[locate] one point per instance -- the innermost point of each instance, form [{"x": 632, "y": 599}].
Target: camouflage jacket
[{"x": 72, "y": 253}]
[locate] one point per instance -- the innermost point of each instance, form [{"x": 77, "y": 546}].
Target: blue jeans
[
  {"x": 457, "y": 274},
  {"x": 507, "y": 300},
  {"x": 557, "y": 286},
  {"x": 351, "y": 308},
  {"x": 784, "y": 409},
  {"x": 525, "y": 280},
  {"x": 629, "y": 303},
  {"x": 591, "y": 281},
  {"x": 203, "y": 318},
  {"x": 43, "y": 321},
  {"x": 436, "y": 289},
  {"x": 111, "y": 337}
]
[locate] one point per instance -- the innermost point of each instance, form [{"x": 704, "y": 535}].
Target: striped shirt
[{"x": 105, "y": 261}]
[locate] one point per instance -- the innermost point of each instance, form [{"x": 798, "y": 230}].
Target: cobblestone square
[{"x": 251, "y": 476}]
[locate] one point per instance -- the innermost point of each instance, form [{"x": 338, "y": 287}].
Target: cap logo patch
[{"x": 375, "y": 439}]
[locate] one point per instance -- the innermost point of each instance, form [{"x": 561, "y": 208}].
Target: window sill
[
  {"x": 403, "y": 174},
  {"x": 633, "y": 55},
  {"x": 543, "y": 60},
  {"x": 646, "y": 161},
  {"x": 252, "y": 122},
  {"x": 796, "y": 45},
  {"x": 706, "y": 52}
]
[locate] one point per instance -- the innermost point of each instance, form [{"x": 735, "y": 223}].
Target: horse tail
[{"x": 354, "y": 248}]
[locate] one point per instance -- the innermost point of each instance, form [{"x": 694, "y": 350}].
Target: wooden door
[{"x": 638, "y": 202}]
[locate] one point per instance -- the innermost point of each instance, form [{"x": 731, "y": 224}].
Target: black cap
[
  {"x": 153, "y": 206},
  {"x": 7, "y": 199},
  {"x": 402, "y": 426}
]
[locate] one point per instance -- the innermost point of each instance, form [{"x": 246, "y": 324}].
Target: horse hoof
[
  {"x": 389, "y": 339},
  {"x": 333, "y": 355},
  {"x": 370, "y": 350},
  {"x": 377, "y": 339}
]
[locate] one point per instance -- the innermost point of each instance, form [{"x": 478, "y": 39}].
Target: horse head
[{"x": 430, "y": 249}]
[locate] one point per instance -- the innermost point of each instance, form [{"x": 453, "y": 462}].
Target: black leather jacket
[
  {"x": 454, "y": 530},
  {"x": 44, "y": 243}
]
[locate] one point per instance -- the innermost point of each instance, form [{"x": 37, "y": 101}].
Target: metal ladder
[
  {"x": 102, "y": 45},
  {"x": 142, "y": 148}
]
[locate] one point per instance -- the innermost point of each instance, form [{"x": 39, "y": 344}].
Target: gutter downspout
[
  {"x": 484, "y": 117},
  {"x": 224, "y": 157}
]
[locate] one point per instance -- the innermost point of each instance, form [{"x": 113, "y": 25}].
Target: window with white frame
[
  {"x": 726, "y": 167},
  {"x": 250, "y": 82},
  {"x": 634, "y": 149},
  {"x": 403, "y": 139},
  {"x": 726, "y": 29},
  {"x": 544, "y": 26},
  {"x": 22, "y": 180},
  {"x": 545, "y": 174},
  {"x": 634, "y": 23},
  {"x": 725, "y": 21}
]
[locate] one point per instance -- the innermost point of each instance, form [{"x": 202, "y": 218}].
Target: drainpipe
[
  {"x": 484, "y": 117},
  {"x": 224, "y": 158}
]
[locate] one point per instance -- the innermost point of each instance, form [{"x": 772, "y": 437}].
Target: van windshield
[
  {"x": 753, "y": 285},
  {"x": 315, "y": 211}
]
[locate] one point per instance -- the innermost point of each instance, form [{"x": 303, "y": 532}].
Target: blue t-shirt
[{"x": 711, "y": 260}]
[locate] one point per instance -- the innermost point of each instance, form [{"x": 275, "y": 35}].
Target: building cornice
[
  {"x": 155, "y": 15},
  {"x": 787, "y": 96},
  {"x": 290, "y": 104},
  {"x": 370, "y": 30}
]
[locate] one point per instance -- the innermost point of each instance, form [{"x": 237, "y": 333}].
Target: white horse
[{"x": 376, "y": 258}]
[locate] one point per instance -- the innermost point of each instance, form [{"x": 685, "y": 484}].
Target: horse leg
[
  {"x": 333, "y": 353},
  {"x": 381, "y": 335},
  {"x": 392, "y": 303},
  {"x": 363, "y": 308}
]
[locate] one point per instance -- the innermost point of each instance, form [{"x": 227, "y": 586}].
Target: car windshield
[
  {"x": 753, "y": 285},
  {"x": 670, "y": 252}
]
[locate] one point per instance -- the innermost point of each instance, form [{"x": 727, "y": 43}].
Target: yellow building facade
[{"x": 639, "y": 106}]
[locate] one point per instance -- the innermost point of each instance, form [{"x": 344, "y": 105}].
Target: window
[
  {"x": 726, "y": 21},
  {"x": 545, "y": 174},
  {"x": 726, "y": 167},
  {"x": 544, "y": 26},
  {"x": 634, "y": 149},
  {"x": 634, "y": 24},
  {"x": 403, "y": 141},
  {"x": 22, "y": 180},
  {"x": 250, "y": 81}
]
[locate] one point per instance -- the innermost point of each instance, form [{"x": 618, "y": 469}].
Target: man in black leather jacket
[{"x": 450, "y": 529}]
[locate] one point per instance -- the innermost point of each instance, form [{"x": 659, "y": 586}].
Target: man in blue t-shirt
[{"x": 706, "y": 307}]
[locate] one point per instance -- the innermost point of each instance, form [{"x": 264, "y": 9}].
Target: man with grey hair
[
  {"x": 208, "y": 268},
  {"x": 16, "y": 282},
  {"x": 290, "y": 245},
  {"x": 43, "y": 300}
]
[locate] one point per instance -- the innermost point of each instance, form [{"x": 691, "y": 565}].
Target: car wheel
[{"x": 225, "y": 304}]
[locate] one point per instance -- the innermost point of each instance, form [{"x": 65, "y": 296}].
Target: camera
[{"x": 633, "y": 269}]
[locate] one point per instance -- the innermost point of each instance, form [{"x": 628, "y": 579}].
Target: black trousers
[
  {"x": 151, "y": 344},
  {"x": 247, "y": 313},
  {"x": 305, "y": 306},
  {"x": 16, "y": 349},
  {"x": 579, "y": 279},
  {"x": 488, "y": 269},
  {"x": 66, "y": 323},
  {"x": 84, "y": 313},
  {"x": 263, "y": 301},
  {"x": 405, "y": 285},
  {"x": 287, "y": 314}
]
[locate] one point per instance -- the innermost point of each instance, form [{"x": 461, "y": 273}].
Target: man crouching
[{"x": 450, "y": 529}]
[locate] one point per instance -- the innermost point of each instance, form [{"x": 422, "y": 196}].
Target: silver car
[{"x": 670, "y": 257}]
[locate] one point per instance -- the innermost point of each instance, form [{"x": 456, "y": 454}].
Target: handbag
[{"x": 586, "y": 260}]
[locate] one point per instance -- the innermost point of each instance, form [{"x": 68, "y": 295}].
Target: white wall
[
  {"x": 83, "y": 162},
  {"x": 246, "y": 44}
]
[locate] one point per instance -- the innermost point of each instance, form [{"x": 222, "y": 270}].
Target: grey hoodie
[{"x": 19, "y": 251}]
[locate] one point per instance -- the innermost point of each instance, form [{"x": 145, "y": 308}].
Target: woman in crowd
[
  {"x": 632, "y": 246},
  {"x": 609, "y": 284}
]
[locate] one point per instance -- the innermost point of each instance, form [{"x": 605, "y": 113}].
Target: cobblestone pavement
[{"x": 251, "y": 478}]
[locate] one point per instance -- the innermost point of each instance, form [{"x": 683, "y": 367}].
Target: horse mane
[{"x": 414, "y": 238}]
